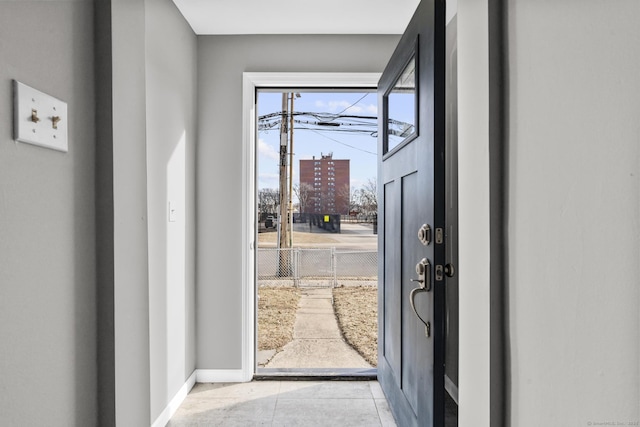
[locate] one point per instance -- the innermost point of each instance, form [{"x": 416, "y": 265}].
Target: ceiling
[{"x": 297, "y": 16}]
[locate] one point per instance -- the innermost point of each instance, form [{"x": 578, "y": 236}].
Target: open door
[{"x": 411, "y": 223}]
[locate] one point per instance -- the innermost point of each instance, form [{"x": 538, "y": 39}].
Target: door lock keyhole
[{"x": 424, "y": 234}]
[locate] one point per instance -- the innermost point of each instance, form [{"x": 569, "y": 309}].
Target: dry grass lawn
[
  {"x": 276, "y": 316},
  {"x": 356, "y": 309},
  {"x": 357, "y": 312}
]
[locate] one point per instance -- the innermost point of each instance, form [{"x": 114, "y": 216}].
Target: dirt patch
[
  {"x": 357, "y": 312},
  {"x": 269, "y": 238},
  {"x": 276, "y": 316}
]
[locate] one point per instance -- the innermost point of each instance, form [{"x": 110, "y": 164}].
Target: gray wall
[
  {"x": 222, "y": 60},
  {"x": 170, "y": 133},
  {"x": 104, "y": 216},
  {"x": 153, "y": 107},
  {"x": 47, "y": 230},
  {"x": 574, "y": 209},
  {"x": 147, "y": 100},
  {"x": 130, "y": 236}
]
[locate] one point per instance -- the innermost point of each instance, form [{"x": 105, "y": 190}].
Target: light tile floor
[{"x": 285, "y": 403}]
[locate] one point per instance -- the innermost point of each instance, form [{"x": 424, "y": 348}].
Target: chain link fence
[{"x": 315, "y": 267}]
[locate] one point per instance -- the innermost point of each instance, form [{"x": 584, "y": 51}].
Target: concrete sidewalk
[{"x": 317, "y": 340}]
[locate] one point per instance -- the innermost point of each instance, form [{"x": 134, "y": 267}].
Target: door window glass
[{"x": 401, "y": 108}]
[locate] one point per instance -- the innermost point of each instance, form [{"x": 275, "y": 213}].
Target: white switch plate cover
[{"x": 41, "y": 132}]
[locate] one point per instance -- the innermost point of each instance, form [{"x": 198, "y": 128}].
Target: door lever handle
[
  {"x": 412, "y": 297},
  {"x": 423, "y": 268}
]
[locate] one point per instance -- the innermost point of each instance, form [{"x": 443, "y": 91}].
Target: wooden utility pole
[
  {"x": 284, "y": 136},
  {"x": 284, "y": 256},
  {"x": 293, "y": 95}
]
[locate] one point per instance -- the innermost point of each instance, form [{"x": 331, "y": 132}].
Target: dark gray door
[{"x": 411, "y": 171}]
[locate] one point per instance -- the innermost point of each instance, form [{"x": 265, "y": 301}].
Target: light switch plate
[
  {"x": 38, "y": 118},
  {"x": 173, "y": 215}
]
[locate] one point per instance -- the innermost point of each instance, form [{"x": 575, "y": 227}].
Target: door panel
[
  {"x": 411, "y": 169},
  {"x": 392, "y": 317},
  {"x": 413, "y": 329}
]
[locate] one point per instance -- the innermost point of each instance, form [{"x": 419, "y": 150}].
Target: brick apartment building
[{"x": 327, "y": 182}]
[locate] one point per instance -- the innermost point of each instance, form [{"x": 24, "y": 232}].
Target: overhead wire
[
  {"x": 343, "y": 143},
  {"x": 265, "y": 125},
  {"x": 355, "y": 103}
]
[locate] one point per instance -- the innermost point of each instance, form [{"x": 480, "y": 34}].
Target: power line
[
  {"x": 340, "y": 142},
  {"x": 355, "y": 103},
  {"x": 318, "y": 115},
  {"x": 324, "y": 120}
]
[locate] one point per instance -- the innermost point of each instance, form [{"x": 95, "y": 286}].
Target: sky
[{"x": 347, "y": 141}]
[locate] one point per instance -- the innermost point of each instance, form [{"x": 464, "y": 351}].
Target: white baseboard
[
  {"x": 175, "y": 403},
  {"x": 222, "y": 376},
  {"x": 200, "y": 376}
]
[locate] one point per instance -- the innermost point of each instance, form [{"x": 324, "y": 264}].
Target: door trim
[
  {"x": 250, "y": 82},
  {"x": 474, "y": 214}
]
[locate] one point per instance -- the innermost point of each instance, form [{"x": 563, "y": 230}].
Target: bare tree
[
  {"x": 368, "y": 197},
  {"x": 304, "y": 193},
  {"x": 268, "y": 199},
  {"x": 345, "y": 200}
]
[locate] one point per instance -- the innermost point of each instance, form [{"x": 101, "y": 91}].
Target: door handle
[{"x": 423, "y": 268}]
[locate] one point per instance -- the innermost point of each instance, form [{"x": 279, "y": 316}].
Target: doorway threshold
[{"x": 316, "y": 374}]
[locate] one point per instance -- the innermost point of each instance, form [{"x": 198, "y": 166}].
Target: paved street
[{"x": 352, "y": 237}]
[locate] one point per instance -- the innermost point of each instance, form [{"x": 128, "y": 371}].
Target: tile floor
[{"x": 285, "y": 403}]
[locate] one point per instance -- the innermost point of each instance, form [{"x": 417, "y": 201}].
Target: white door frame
[{"x": 250, "y": 82}]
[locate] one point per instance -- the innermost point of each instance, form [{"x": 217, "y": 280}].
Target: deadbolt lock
[{"x": 424, "y": 234}]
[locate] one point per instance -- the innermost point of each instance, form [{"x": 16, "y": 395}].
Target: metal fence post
[
  {"x": 296, "y": 261},
  {"x": 334, "y": 266}
]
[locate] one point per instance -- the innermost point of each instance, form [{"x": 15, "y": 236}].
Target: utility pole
[
  {"x": 293, "y": 96},
  {"x": 284, "y": 256},
  {"x": 284, "y": 135}
]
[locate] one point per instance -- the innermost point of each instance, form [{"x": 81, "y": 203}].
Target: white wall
[
  {"x": 47, "y": 227},
  {"x": 574, "y": 211},
  {"x": 473, "y": 212},
  {"x": 222, "y": 60},
  {"x": 170, "y": 134}
]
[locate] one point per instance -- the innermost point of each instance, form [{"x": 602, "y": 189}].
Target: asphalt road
[{"x": 352, "y": 237}]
